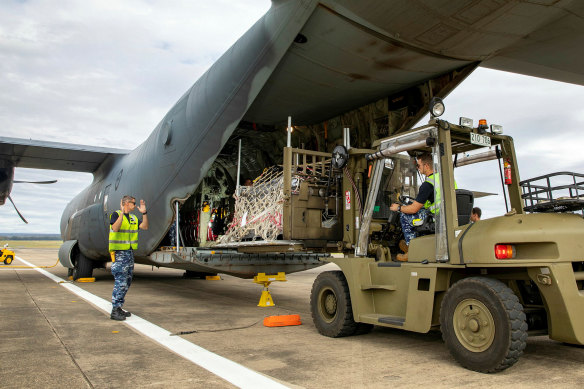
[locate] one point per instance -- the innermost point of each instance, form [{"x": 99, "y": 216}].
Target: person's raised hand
[{"x": 142, "y": 207}]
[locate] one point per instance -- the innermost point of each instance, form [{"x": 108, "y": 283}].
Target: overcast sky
[{"x": 104, "y": 73}]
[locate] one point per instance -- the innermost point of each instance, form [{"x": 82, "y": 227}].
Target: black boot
[
  {"x": 118, "y": 314},
  {"x": 126, "y": 313}
]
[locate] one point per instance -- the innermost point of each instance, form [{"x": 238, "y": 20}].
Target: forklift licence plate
[{"x": 480, "y": 140}]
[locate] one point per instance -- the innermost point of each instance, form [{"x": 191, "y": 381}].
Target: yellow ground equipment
[
  {"x": 266, "y": 280},
  {"x": 7, "y": 255}
]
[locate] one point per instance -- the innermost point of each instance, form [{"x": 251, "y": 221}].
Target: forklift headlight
[
  {"x": 496, "y": 129},
  {"x": 465, "y": 122},
  {"x": 436, "y": 107}
]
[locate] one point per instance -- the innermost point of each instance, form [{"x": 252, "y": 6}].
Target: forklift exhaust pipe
[
  {"x": 479, "y": 157},
  {"x": 347, "y": 138},
  {"x": 394, "y": 149},
  {"x": 289, "y": 132}
]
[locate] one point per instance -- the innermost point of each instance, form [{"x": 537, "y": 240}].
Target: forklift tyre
[
  {"x": 483, "y": 324},
  {"x": 330, "y": 304},
  {"x": 83, "y": 267},
  {"x": 8, "y": 260}
]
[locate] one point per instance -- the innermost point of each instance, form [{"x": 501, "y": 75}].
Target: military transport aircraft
[{"x": 369, "y": 65}]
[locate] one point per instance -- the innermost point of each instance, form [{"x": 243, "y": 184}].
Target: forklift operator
[{"x": 419, "y": 209}]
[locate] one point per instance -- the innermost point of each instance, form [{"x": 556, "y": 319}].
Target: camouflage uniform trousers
[
  {"x": 122, "y": 270},
  {"x": 407, "y": 226}
]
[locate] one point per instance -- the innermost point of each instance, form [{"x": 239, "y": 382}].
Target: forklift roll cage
[{"x": 444, "y": 141}]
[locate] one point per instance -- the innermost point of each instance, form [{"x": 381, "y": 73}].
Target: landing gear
[
  {"x": 83, "y": 267},
  {"x": 197, "y": 274},
  {"x": 330, "y": 303},
  {"x": 483, "y": 324}
]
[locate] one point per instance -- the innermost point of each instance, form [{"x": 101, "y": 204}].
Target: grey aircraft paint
[{"x": 313, "y": 60}]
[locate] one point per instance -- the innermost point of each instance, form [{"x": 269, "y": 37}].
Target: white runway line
[
  {"x": 228, "y": 370},
  {"x": 12, "y": 266}
]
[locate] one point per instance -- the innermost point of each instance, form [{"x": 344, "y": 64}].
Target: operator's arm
[
  {"x": 426, "y": 190},
  {"x": 409, "y": 209}
]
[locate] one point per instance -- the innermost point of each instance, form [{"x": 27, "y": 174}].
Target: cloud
[
  {"x": 84, "y": 71},
  {"x": 101, "y": 73}
]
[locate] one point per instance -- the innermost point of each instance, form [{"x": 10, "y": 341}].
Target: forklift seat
[{"x": 464, "y": 205}]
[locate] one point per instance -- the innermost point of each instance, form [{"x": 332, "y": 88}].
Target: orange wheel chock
[{"x": 282, "y": 321}]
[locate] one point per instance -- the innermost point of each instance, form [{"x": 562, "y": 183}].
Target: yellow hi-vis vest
[
  {"x": 435, "y": 206},
  {"x": 127, "y": 237}
]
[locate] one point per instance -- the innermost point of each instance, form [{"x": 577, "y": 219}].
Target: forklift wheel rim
[
  {"x": 474, "y": 325},
  {"x": 327, "y": 304}
]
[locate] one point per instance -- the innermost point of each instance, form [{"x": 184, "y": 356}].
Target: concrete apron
[{"x": 52, "y": 337}]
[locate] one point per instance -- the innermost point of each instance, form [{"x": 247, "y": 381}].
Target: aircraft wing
[
  {"x": 349, "y": 53},
  {"x": 541, "y": 38},
  {"x": 27, "y": 153}
]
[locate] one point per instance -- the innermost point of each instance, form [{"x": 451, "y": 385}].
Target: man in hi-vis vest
[
  {"x": 424, "y": 203},
  {"x": 123, "y": 240}
]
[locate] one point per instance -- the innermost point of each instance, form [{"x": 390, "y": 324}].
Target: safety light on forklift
[
  {"x": 465, "y": 122},
  {"x": 504, "y": 251},
  {"x": 436, "y": 107},
  {"x": 496, "y": 129},
  {"x": 483, "y": 127}
]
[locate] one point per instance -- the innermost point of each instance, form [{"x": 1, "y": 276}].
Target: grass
[{"x": 32, "y": 244}]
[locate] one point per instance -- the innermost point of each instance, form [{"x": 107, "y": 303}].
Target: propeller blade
[
  {"x": 17, "y": 211},
  {"x": 34, "y": 182}
]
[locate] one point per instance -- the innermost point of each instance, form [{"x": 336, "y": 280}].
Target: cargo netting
[{"x": 258, "y": 209}]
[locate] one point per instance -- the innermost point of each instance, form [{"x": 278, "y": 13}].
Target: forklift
[{"x": 485, "y": 285}]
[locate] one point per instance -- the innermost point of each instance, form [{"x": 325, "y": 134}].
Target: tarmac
[{"x": 52, "y": 337}]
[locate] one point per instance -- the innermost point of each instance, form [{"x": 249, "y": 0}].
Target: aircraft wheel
[
  {"x": 8, "y": 260},
  {"x": 197, "y": 274},
  {"x": 330, "y": 304},
  {"x": 83, "y": 267},
  {"x": 483, "y": 324}
]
